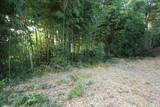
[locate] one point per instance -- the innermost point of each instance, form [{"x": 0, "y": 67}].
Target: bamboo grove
[{"x": 60, "y": 33}]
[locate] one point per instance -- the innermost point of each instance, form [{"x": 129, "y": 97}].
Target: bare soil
[{"x": 129, "y": 83}]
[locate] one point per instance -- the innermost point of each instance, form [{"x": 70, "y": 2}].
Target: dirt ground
[{"x": 128, "y": 83}]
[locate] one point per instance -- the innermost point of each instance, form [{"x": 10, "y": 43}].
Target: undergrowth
[
  {"x": 77, "y": 90},
  {"x": 33, "y": 100},
  {"x": 2, "y": 84}
]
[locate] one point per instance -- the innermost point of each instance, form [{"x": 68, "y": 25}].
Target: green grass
[
  {"x": 22, "y": 77},
  {"x": 11, "y": 98},
  {"x": 27, "y": 74},
  {"x": 74, "y": 77},
  {"x": 77, "y": 91},
  {"x": 32, "y": 100},
  {"x": 5, "y": 97}
]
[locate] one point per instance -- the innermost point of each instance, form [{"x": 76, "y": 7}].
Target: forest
[{"x": 56, "y": 35}]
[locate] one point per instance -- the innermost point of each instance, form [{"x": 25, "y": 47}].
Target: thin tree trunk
[
  {"x": 31, "y": 59},
  {"x": 31, "y": 53},
  {"x": 9, "y": 60}
]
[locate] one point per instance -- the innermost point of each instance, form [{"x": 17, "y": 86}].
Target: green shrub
[
  {"x": 59, "y": 62},
  {"x": 77, "y": 91},
  {"x": 123, "y": 34},
  {"x": 5, "y": 97},
  {"x": 94, "y": 55},
  {"x": 2, "y": 84},
  {"x": 34, "y": 100}
]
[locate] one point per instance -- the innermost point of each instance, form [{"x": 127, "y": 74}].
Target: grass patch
[
  {"x": 5, "y": 98},
  {"x": 11, "y": 98},
  {"x": 74, "y": 77},
  {"x": 77, "y": 91},
  {"x": 22, "y": 77},
  {"x": 27, "y": 74},
  {"x": 33, "y": 100},
  {"x": 112, "y": 61}
]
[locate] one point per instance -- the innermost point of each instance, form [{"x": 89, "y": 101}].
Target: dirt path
[{"x": 128, "y": 83}]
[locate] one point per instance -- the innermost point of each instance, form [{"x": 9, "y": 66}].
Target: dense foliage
[{"x": 69, "y": 32}]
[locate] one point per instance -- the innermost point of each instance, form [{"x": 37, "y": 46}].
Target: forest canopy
[{"x": 69, "y": 32}]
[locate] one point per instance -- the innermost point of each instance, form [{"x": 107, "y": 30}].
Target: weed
[
  {"x": 90, "y": 82},
  {"x": 32, "y": 100},
  {"x": 28, "y": 88},
  {"x": 5, "y": 97},
  {"x": 74, "y": 78},
  {"x": 45, "y": 86},
  {"x": 60, "y": 82},
  {"x": 77, "y": 91},
  {"x": 2, "y": 84}
]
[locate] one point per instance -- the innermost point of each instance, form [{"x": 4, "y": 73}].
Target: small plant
[
  {"x": 5, "y": 97},
  {"x": 2, "y": 84},
  {"x": 59, "y": 62},
  {"x": 32, "y": 100},
  {"x": 60, "y": 82},
  {"x": 74, "y": 78},
  {"x": 90, "y": 82},
  {"x": 77, "y": 91},
  {"x": 28, "y": 88},
  {"x": 45, "y": 86}
]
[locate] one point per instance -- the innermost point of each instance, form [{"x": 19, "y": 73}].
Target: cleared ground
[{"x": 128, "y": 83}]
